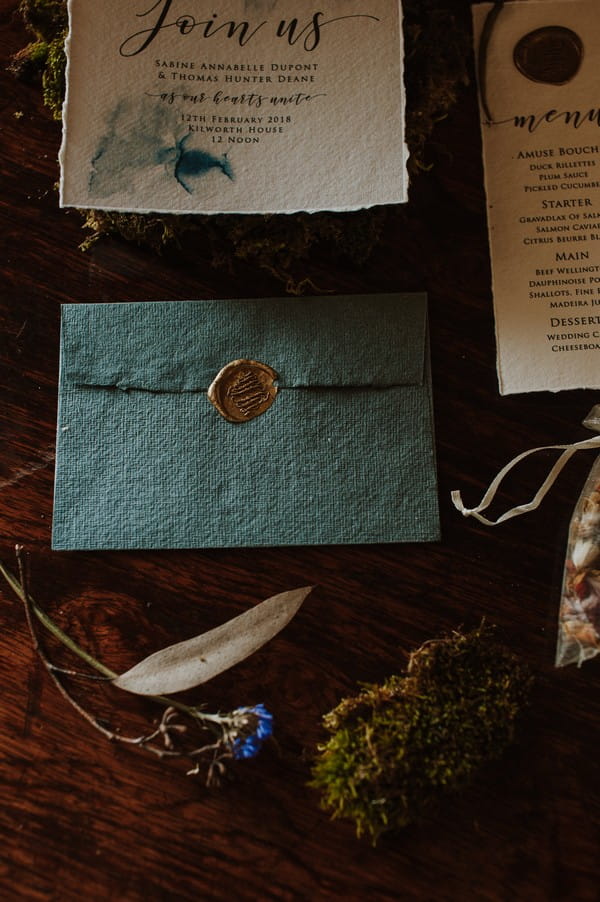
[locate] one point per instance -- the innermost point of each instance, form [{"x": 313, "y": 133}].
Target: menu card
[
  {"x": 243, "y": 106},
  {"x": 538, "y": 81}
]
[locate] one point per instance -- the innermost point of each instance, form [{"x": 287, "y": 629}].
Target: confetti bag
[
  {"x": 579, "y": 617},
  {"x": 579, "y": 614}
]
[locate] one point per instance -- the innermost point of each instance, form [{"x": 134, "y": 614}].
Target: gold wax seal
[
  {"x": 551, "y": 55},
  {"x": 243, "y": 389}
]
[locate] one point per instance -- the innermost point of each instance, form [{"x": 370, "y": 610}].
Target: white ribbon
[{"x": 568, "y": 452}]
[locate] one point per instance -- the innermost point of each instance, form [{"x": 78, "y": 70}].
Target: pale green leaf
[{"x": 198, "y": 660}]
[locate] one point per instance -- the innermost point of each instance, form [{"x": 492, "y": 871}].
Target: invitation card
[
  {"x": 540, "y": 104},
  {"x": 248, "y": 106}
]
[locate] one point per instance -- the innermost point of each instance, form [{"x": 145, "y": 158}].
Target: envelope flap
[{"x": 365, "y": 340}]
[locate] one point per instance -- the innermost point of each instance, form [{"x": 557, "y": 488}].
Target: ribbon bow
[{"x": 592, "y": 421}]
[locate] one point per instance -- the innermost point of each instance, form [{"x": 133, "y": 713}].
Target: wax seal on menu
[
  {"x": 551, "y": 55},
  {"x": 243, "y": 390}
]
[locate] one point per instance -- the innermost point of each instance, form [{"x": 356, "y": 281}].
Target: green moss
[
  {"x": 45, "y": 18},
  {"x": 395, "y": 748},
  {"x": 53, "y": 76},
  {"x": 437, "y": 47},
  {"x": 44, "y": 57},
  {"x": 278, "y": 244},
  {"x": 154, "y": 231}
]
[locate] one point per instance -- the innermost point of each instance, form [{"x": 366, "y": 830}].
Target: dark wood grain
[{"x": 81, "y": 818}]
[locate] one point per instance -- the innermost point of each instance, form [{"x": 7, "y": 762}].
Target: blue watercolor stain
[
  {"x": 136, "y": 140},
  {"x": 194, "y": 163}
]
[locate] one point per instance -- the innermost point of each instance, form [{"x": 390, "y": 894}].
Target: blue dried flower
[{"x": 260, "y": 721}]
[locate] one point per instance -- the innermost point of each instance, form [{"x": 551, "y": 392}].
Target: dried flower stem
[
  {"x": 239, "y": 733},
  {"x": 49, "y": 624},
  {"x": 41, "y": 651},
  {"x": 32, "y": 611},
  {"x": 32, "y": 607}
]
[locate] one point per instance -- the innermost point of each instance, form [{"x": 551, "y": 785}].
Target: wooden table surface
[{"x": 83, "y": 818}]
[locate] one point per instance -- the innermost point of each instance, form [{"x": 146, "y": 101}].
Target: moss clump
[
  {"x": 437, "y": 48},
  {"x": 53, "y": 77},
  {"x": 396, "y": 747},
  {"x": 47, "y": 20},
  {"x": 154, "y": 231},
  {"x": 275, "y": 243}
]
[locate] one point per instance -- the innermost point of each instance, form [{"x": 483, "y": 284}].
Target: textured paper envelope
[
  {"x": 345, "y": 454},
  {"x": 539, "y": 87},
  {"x": 247, "y": 106}
]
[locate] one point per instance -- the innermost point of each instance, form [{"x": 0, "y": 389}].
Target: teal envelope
[{"x": 345, "y": 454}]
